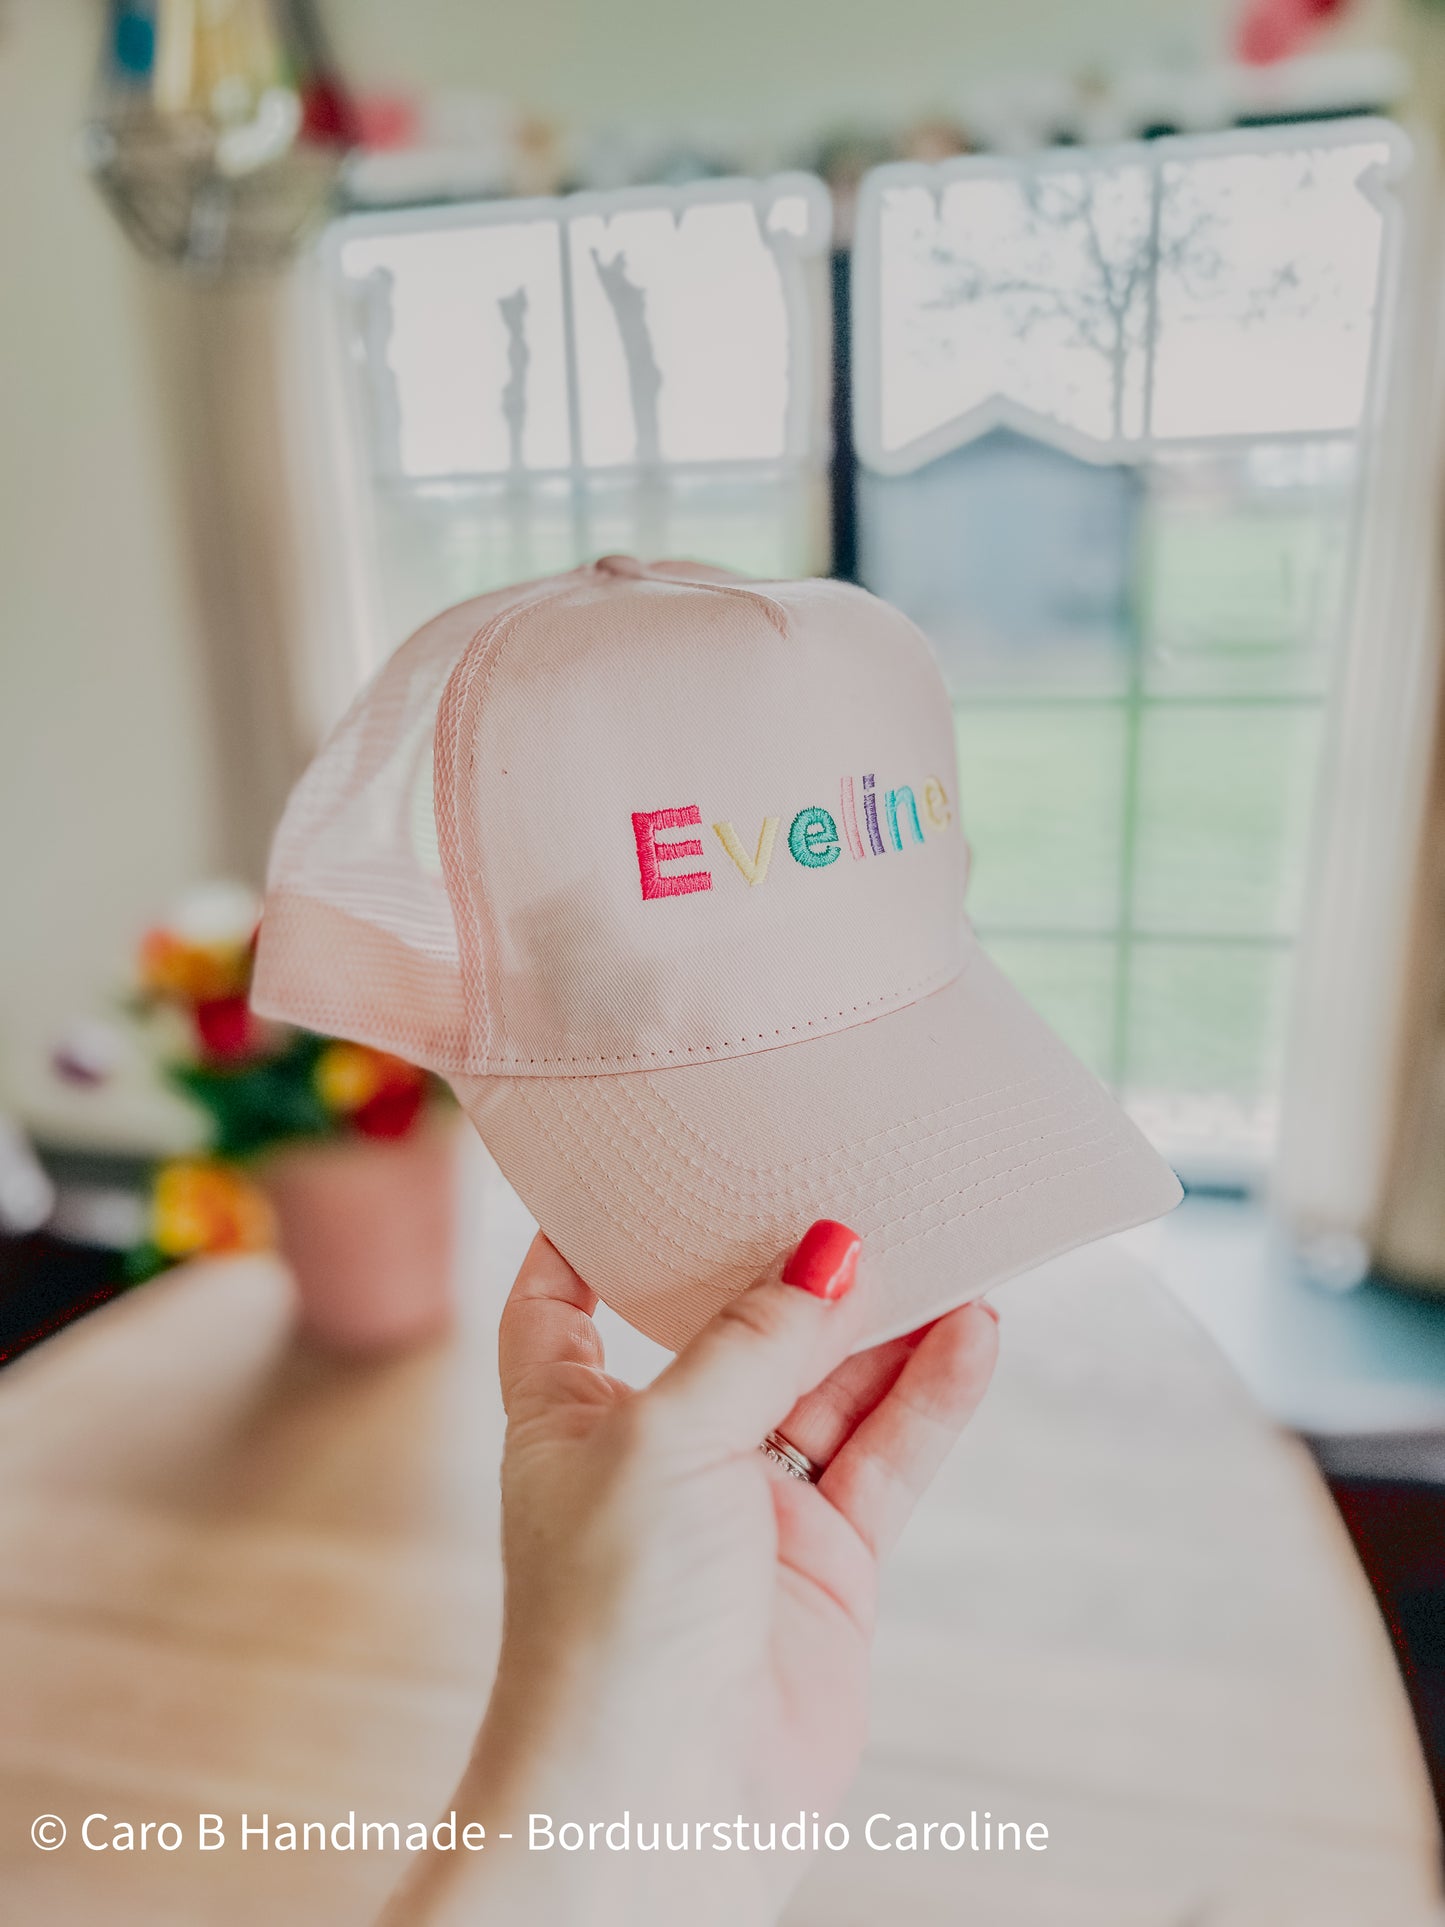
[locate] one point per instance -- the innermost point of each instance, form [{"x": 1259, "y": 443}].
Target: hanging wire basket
[{"x": 219, "y": 129}]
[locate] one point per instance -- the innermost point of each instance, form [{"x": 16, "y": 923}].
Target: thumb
[{"x": 745, "y": 1371}]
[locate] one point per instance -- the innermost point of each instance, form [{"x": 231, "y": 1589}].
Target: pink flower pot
[{"x": 367, "y": 1226}]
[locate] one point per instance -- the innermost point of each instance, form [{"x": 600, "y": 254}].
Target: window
[
  {"x": 1113, "y": 443},
  {"x": 1113, "y": 438},
  {"x": 530, "y": 384}
]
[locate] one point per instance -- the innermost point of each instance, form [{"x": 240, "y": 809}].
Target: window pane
[
  {"x": 458, "y": 340},
  {"x": 1267, "y": 275},
  {"x": 683, "y": 337},
  {"x": 1223, "y": 817},
  {"x": 1028, "y": 288},
  {"x": 1176, "y": 291},
  {"x": 1072, "y": 985},
  {"x": 1016, "y": 559},
  {"x": 1204, "y": 1038},
  {"x": 1042, "y": 789},
  {"x": 768, "y": 526},
  {"x": 1242, "y": 562}
]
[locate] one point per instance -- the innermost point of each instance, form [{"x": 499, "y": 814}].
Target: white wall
[
  {"x": 784, "y": 65},
  {"x": 104, "y": 803}
]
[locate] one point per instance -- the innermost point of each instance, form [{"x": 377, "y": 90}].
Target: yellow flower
[
  {"x": 199, "y": 1206},
  {"x": 349, "y": 1076},
  {"x": 203, "y": 950},
  {"x": 192, "y": 973}
]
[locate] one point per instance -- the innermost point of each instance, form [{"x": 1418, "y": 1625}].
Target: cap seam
[
  {"x": 458, "y": 700},
  {"x": 777, "y": 615},
  {"x": 934, "y": 981}
]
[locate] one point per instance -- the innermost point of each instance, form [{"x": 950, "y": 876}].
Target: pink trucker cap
[{"x": 663, "y": 869}]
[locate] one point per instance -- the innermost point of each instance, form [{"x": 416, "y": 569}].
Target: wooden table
[{"x": 234, "y": 1577}]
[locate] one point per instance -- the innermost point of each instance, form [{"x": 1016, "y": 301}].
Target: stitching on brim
[
  {"x": 650, "y": 1180},
  {"x": 629, "y": 1231},
  {"x": 858, "y": 1170},
  {"x": 881, "y": 1243},
  {"x": 828, "y": 1157},
  {"x": 886, "y": 1245},
  {"x": 843, "y": 1151}
]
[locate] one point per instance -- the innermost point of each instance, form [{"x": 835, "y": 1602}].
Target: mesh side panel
[
  {"x": 332, "y": 973},
  {"x": 358, "y": 938}
]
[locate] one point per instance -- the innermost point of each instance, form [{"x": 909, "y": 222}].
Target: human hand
[{"x": 687, "y": 1628}]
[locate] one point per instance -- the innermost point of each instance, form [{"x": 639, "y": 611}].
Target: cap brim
[{"x": 958, "y": 1136}]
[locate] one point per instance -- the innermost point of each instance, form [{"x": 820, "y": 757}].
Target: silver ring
[{"x": 796, "y": 1464}]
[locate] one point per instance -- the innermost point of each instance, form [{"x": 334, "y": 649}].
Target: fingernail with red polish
[
  {"x": 984, "y": 1305},
  {"x": 826, "y": 1260}
]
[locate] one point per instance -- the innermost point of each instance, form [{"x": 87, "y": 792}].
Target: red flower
[
  {"x": 392, "y": 1112},
  {"x": 388, "y": 121},
  {"x": 328, "y": 114},
  {"x": 1270, "y": 30},
  {"x": 226, "y": 1028}
]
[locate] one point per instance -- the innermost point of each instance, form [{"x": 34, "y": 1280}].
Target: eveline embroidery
[{"x": 889, "y": 819}]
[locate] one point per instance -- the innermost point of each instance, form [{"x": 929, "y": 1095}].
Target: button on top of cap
[{"x": 620, "y": 565}]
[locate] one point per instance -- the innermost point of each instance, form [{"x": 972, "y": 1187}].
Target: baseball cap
[{"x": 663, "y": 869}]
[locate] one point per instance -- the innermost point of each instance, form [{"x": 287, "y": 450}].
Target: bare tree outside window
[
  {"x": 628, "y": 302},
  {"x": 1115, "y": 302},
  {"x": 1103, "y": 232},
  {"x": 513, "y": 310}
]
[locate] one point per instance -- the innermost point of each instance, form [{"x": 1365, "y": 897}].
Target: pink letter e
[{"x": 651, "y": 854}]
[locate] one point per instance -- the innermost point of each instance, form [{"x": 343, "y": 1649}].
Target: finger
[
  {"x": 546, "y": 1322},
  {"x": 878, "y": 1474},
  {"x": 823, "y": 1418},
  {"x": 747, "y": 1368}
]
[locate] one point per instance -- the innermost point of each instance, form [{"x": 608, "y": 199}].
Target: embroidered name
[{"x": 891, "y": 821}]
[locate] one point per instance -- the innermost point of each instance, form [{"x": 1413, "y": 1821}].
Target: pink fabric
[
  {"x": 479, "y": 872},
  {"x": 957, "y": 1136},
  {"x": 594, "y": 700}
]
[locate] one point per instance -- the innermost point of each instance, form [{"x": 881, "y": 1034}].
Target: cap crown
[{"x": 678, "y": 816}]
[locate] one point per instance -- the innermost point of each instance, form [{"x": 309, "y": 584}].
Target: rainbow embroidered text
[{"x": 814, "y": 839}]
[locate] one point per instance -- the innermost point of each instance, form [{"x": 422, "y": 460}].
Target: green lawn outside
[{"x": 1140, "y": 858}]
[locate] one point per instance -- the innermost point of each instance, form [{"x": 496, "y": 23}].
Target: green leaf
[
  {"x": 144, "y": 1262},
  {"x": 253, "y": 1106}
]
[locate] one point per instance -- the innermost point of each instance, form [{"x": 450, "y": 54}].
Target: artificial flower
[
  {"x": 1271, "y": 30},
  {"x": 393, "y": 1111},
  {"x": 226, "y": 1028},
  {"x": 350, "y": 1076},
  {"x": 201, "y": 1206},
  {"x": 175, "y": 970},
  {"x": 203, "y": 951},
  {"x": 380, "y": 1094}
]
